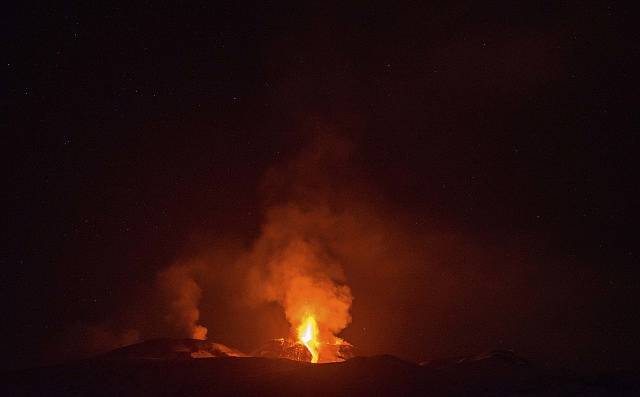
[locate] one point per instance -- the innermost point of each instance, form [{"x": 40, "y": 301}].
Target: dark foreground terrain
[{"x": 158, "y": 368}]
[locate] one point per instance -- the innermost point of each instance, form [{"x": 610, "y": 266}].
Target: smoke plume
[
  {"x": 182, "y": 295},
  {"x": 290, "y": 264}
]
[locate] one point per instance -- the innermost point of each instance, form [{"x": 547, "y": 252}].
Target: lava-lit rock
[
  {"x": 284, "y": 348},
  {"x": 166, "y": 348},
  {"x": 293, "y": 350},
  {"x": 340, "y": 351}
]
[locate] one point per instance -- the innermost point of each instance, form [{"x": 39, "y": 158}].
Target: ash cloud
[
  {"x": 291, "y": 263},
  {"x": 181, "y": 294}
]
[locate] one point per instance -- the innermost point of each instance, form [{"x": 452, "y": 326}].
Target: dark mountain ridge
[{"x": 169, "y": 367}]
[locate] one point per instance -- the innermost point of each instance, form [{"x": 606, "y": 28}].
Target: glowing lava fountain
[{"x": 308, "y": 336}]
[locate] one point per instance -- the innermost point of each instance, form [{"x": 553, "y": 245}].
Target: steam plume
[
  {"x": 291, "y": 266},
  {"x": 290, "y": 263},
  {"x": 182, "y": 294}
]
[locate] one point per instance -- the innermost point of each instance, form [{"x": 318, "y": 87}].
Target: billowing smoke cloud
[
  {"x": 294, "y": 262},
  {"x": 290, "y": 264},
  {"x": 182, "y": 296}
]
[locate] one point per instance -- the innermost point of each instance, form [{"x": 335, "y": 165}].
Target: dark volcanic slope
[
  {"x": 169, "y": 348},
  {"x": 495, "y": 374}
]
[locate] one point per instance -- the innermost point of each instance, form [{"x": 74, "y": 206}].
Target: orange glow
[{"x": 308, "y": 336}]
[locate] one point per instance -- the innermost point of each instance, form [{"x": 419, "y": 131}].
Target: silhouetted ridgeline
[{"x": 172, "y": 367}]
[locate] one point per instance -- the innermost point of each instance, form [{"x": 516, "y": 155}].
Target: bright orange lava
[{"x": 308, "y": 335}]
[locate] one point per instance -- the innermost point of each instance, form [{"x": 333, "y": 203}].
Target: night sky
[{"x": 492, "y": 148}]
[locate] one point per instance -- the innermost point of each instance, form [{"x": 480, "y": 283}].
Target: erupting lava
[
  {"x": 308, "y": 345},
  {"x": 308, "y": 335}
]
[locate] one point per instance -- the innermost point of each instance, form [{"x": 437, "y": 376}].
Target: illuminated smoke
[
  {"x": 290, "y": 263},
  {"x": 182, "y": 295},
  {"x": 291, "y": 266}
]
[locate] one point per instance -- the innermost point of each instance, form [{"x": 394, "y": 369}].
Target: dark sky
[{"x": 133, "y": 130}]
